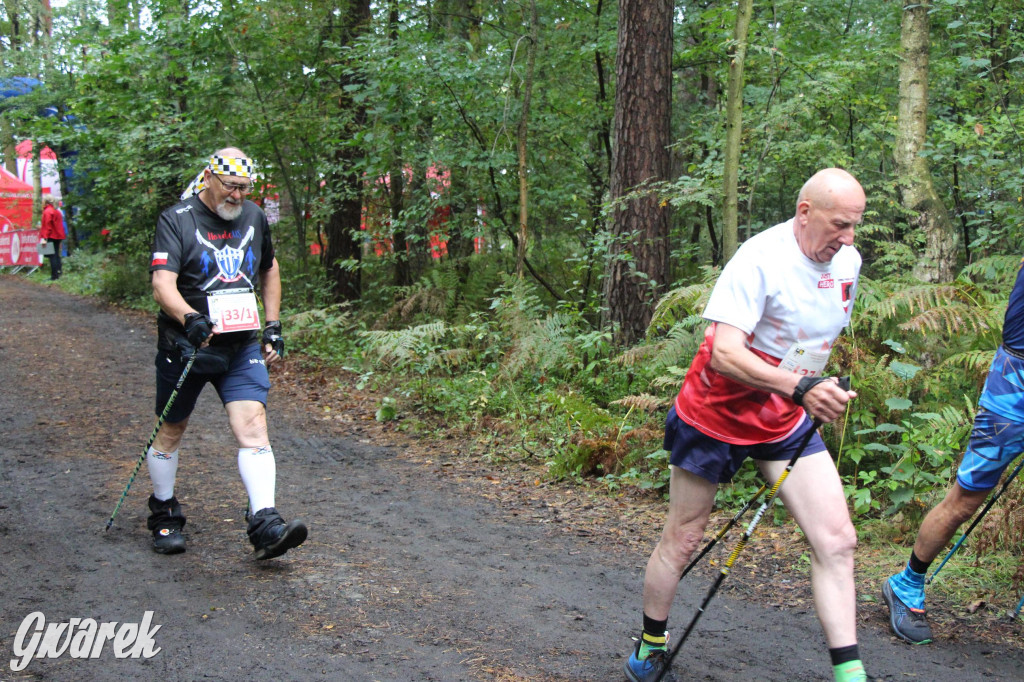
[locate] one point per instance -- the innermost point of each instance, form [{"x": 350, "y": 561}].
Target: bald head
[
  {"x": 827, "y": 186},
  {"x": 233, "y": 152},
  {"x": 830, "y": 205}
]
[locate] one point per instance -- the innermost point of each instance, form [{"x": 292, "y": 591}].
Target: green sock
[
  {"x": 649, "y": 643},
  {"x": 654, "y": 637},
  {"x": 851, "y": 671}
]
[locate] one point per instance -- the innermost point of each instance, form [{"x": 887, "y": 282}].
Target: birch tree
[{"x": 937, "y": 263}]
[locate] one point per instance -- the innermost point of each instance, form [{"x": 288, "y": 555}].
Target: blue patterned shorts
[{"x": 995, "y": 442}]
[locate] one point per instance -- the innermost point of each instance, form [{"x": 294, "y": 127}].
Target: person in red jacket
[{"x": 53, "y": 232}]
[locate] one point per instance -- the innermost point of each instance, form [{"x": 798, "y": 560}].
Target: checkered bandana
[{"x": 221, "y": 165}]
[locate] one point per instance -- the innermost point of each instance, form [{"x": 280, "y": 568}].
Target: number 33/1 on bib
[{"x": 233, "y": 310}]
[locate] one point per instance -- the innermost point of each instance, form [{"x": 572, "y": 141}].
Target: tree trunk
[
  {"x": 638, "y": 258},
  {"x": 523, "y": 132},
  {"x": 917, "y": 191},
  {"x": 344, "y": 252},
  {"x": 734, "y": 128},
  {"x": 458, "y": 23},
  {"x": 9, "y": 145},
  {"x": 396, "y": 180}
]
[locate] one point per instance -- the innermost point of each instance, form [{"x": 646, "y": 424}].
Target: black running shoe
[
  {"x": 909, "y": 624},
  {"x": 166, "y": 521},
  {"x": 648, "y": 669},
  {"x": 168, "y": 541},
  {"x": 271, "y": 536}
]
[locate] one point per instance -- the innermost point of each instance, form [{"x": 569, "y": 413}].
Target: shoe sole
[
  {"x": 169, "y": 550},
  {"x": 888, "y": 597},
  {"x": 631, "y": 676},
  {"x": 294, "y": 535}
]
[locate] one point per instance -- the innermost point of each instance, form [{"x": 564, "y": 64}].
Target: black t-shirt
[{"x": 210, "y": 254}]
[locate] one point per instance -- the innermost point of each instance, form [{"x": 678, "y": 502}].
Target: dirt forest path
[{"x": 412, "y": 570}]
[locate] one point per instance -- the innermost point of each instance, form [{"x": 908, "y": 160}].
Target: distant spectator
[{"x": 53, "y": 232}]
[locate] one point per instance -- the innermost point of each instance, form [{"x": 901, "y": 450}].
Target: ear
[{"x": 803, "y": 208}]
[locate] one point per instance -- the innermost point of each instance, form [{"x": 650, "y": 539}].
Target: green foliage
[
  {"x": 922, "y": 451},
  {"x": 918, "y": 356},
  {"x": 433, "y": 297},
  {"x": 417, "y": 349},
  {"x": 324, "y": 333},
  {"x": 439, "y": 93},
  {"x": 83, "y": 272},
  {"x": 125, "y": 280},
  {"x": 387, "y": 410}
]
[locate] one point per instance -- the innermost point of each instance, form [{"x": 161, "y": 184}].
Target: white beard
[{"x": 229, "y": 211}]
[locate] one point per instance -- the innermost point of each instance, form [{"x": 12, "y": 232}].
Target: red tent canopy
[
  {"x": 24, "y": 151},
  {"x": 15, "y": 202}
]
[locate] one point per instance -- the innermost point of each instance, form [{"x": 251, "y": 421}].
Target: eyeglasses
[{"x": 242, "y": 189}]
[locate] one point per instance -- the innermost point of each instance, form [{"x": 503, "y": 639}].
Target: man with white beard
[{"x": 211, "y": 253}]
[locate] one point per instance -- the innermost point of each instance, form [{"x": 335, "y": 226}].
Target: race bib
[
  {"x": 233, "y": 310},
  {"x": 804, "y": 361}
]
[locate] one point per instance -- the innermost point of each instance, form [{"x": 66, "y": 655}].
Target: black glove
[
  {"x": 198, "y": 328},
  {"x": 272, "y": 336}
]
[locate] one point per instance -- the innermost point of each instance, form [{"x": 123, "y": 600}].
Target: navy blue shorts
[
  {"x": 246, "y": 379},
  {"x": 717, "y": 461}
]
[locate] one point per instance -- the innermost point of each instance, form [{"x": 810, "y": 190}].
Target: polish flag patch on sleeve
[{"x": 159, "y": 258}]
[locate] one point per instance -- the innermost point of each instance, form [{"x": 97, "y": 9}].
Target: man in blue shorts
[
  {"x": 996, "y": 440},
  {"x": 775, "y": 313},
  {"x": 211, "y": 253}
]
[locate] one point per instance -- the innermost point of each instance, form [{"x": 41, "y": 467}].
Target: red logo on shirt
[
  {"x": 847, "y": 291},
  {"x": 826, "y": 281}
]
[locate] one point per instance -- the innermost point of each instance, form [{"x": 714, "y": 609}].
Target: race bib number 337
[{"x": 234, "y": 311}]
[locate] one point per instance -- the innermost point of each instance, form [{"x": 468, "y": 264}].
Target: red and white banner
[{"x": 19, "y": 248}]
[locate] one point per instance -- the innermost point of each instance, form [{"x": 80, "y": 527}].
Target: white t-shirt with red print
[{"x": 792, "y": 309}]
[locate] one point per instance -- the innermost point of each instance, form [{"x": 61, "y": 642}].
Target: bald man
[
  {"x": 211, "y": 253},
  {"x": 775, "y": 313}
]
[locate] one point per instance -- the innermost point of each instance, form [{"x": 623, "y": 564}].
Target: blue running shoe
[
  {"x": 648, "y": 669},
  {"x": 909, "y": 624}
]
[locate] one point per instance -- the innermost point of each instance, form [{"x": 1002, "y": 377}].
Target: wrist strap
[{"x": 806, "y": 384}]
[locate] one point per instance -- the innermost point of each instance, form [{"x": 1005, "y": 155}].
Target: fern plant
[{"x": 922, "y": 345}]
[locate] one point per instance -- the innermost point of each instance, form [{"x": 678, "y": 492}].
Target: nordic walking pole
[
  {"x": 159, "y": 423},
  {"x": 727, "y": 567},
  {"x": 721, "y": 534},
  {"x": 977, "y": 520},
  {"x": 844, "y": 383}
]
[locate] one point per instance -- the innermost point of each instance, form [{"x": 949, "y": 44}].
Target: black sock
[
  {"x": 918, "y": 566},
  {"x": 654, "y": 632},
  {"x": 844, "y": 654}
]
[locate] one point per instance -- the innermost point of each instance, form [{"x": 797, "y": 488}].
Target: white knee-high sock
[
  {"x": 259, "y": 474},
  {"x": 163, "y": 470}
]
